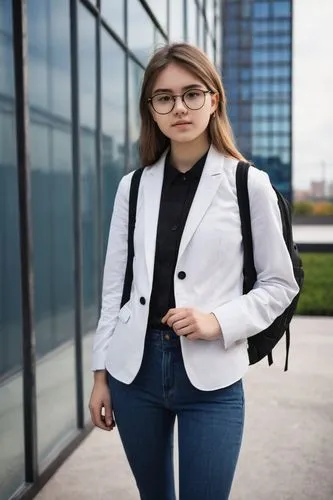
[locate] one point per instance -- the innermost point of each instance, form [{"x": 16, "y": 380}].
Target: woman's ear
[{"x": 215, "y": 102}]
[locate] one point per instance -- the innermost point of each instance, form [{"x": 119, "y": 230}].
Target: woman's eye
[
  {"x": 163, "y": 98},
  {"x": 192, "y": 95}
]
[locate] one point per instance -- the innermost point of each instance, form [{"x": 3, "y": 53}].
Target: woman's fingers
[{"x": 100, "y": 407}]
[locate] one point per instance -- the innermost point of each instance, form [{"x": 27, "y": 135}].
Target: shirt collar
[{"x": 171, "y": 173}]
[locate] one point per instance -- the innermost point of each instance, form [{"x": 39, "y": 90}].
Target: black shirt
[{"x": 178, "y": 191}]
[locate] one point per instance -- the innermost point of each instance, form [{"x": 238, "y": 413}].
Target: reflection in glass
[
  {"x": 159, "y": 39},
  {"x": 159, "y": 9},
  {"x": 176, "y": 33},
  {"x": 113, "y": 126},
  {"x": 52, "y": 219},
  {"x": 210, "y": 15},
  {"x": 200, "y": 30},
  {"x": 140, "y": 41},
  {"x": 135, "y": 80},
  {"x": 11, "y": 397},
  {"x": 261, "y": 10},
  {"x": 88, "y": 172},
  {"x": 282, "y": 9},
  {"x": 114, "y": 14}
]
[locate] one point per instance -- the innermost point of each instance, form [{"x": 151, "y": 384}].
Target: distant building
[
  {"x": 317, "y": 189},
  {"x": 301, "y": 194},
  {"x": 257, "y": 73}
]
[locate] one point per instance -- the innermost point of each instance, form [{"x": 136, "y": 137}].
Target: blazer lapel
[
  {"x": 152, "y": 189},
  {"x": 209, "y": 183}
]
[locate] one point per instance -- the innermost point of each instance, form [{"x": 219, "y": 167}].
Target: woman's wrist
[{"x": 100, "y": 376}]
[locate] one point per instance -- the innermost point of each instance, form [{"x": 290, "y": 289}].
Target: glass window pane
[
  {"x": 210, "y": 48},
  {"x": 135, "y": 81},
  {"x": 176, "y": 33},
  {"x": 114, "y": 14},
  {"x": 159, "y": 9},
  {"x": 159, "y": 38},
  {"x": 52, "y": 219},
  {"x": 282, "y": 9},
  {"x": 210, "y": 14},
  {"x": 113, "y": 124},
  {"x": 11, "y": 397},
  {"x": 261, "y": 10},
  {"x": 192, "y": 22},
  {"x": 89, "y": 222},
  {"x": 140, "y": 41},
  {"x": 261, "y": 27}
]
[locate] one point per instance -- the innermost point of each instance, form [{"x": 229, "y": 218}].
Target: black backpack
[{"x": 261, "y": 344}]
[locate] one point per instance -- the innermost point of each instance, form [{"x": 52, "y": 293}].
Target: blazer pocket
[{"x": 124, "y": 314}]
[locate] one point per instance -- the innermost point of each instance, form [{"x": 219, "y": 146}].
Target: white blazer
[{"x": 211, "y": 255}]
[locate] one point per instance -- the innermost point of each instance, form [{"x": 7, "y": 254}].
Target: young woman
[{"x": 178, "y": 347}]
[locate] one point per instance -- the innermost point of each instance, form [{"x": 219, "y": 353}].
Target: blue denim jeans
[{"x": 210, "y": 426}]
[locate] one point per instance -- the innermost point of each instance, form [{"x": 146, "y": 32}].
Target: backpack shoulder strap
[
  {"x": 133, "y": 198},
  {"x": 249, "y": 270}
]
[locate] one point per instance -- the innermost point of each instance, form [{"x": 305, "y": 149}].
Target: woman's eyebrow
[{"x": 187, "y": 87}]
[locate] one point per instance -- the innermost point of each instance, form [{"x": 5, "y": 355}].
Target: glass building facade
[
  {"x": 257, "y": 73},
  {"x": 70, "y": 76}
]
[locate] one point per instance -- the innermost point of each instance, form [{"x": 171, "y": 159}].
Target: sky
[{"x": 312, "y": 91}]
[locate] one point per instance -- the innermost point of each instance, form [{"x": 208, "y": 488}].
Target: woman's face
[{"x": 181, "y": 124}]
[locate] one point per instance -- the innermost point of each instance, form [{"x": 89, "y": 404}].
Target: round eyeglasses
[{"x": 193, "y": 99}]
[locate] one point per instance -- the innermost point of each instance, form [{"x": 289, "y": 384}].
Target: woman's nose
[{"x": 179, "y": 104}]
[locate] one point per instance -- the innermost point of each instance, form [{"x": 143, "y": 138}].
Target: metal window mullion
[
  {"x": 27, "y": 286},
  {"x": 75, "y": 97},
  {"x": 99, "y": 171},
  {"x": 205, "y": 26},
  {"x": 185, "y": 17},
  {"x": 126, "y": 90},
  {"x": 168, "y": 18},
  {"x": 290, "y": 104}
]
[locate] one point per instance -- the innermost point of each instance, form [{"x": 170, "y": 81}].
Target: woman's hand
[
  {"x": 100, "y": 405},
  {"x": 193, "y": 324}
]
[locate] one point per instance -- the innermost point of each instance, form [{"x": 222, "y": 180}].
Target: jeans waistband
[{"x": 165, "y": 338}]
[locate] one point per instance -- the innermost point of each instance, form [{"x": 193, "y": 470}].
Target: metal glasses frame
[{"x": 182, "y": 96}]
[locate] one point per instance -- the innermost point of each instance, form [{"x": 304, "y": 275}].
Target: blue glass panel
[
  {"x": 261, "y": 10},
  {"x": 261, "y": 26},
  {"x": 52, "y": 218},
  {"x": 135, "y": 80},
  {"x": 88, "y": 172},
  {"x": 114, "y": 14},
  {"x": 245, "y": 74},
  {"x": 11, "y": 397},
  {"x": 113, "y": 126},
  {"x": 140, "y": 41},
  {"x": 281, "y": 9}
]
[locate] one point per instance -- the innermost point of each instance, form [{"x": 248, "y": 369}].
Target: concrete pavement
[{"x": 287, "y": 452}]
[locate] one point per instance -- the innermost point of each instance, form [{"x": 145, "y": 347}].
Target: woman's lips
[{"x": 182, "y": 124}]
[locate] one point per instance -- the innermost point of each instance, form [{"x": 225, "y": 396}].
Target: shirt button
[
  {"x": 142, "y": 301},
  {"x": 181, "y": 275},
  {"x": 167, "y": 336},
  {"x": 174, "y": 228},
  {"x": 184, "y": 177}
]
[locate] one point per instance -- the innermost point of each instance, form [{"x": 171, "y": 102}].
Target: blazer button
[
  {"x": 142, "y": 301},
  {"x": 181, "y": 275}
]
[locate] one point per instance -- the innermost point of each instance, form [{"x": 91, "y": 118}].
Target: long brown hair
[{"x": 153, "y": 142}]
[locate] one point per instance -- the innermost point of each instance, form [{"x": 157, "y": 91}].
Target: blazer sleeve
[
  {"x": 114, "y": 274},
  {"x": 276, "y": 286}
]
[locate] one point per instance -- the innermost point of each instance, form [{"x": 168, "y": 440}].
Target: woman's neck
[{"x": 185, "y": 155}]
